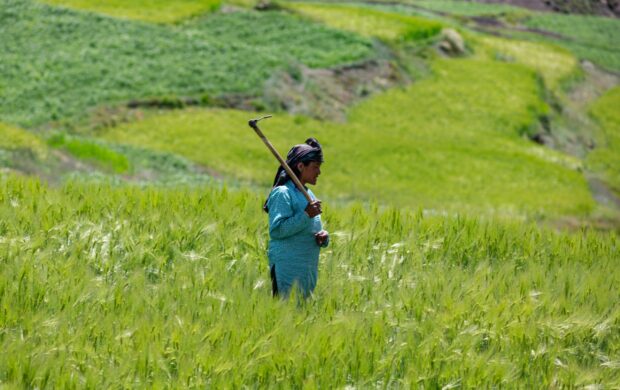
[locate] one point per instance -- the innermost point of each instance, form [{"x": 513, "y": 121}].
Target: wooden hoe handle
[{"x": 253, "y": 124}]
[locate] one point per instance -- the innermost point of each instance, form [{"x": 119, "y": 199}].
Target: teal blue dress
[{"x": 292, "y": 247}]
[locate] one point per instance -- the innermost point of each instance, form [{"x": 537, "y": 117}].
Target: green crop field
[
  {"x": 57, "y": 63},
  {"x": 162, "y": 11},
  {"x": 450, "y": 7},
  {"x": 438, "y": 144},
  {"x": 129, "y": 287},
  {"x": 14, "y": 138},
  {"x": 589, "y": 37},
  {"x": 465, "y": 251},
  {"x": 367, "y": 22},
  {"x": 553, "y": 63},
  {"x": 464, "y": 8},
  {"x": 91, "y": 151}
]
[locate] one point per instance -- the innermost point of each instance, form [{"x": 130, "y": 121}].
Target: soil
[{"x": 327, "y": 93}]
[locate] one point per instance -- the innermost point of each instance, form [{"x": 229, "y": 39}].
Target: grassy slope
[
  {"x": 162, "y": 11},
  {"x": 589, "y": 37},
  {"x": 12, "y": 138},
  {"x": 92, "y": 151},
  {"x": 452, "y": 141},
  {"x": 122, "y": 287},
  {"x": 606, "y": 158},
  {"x": 554, "y": 64},
  {"x": 460, "y": 8},
  {"x": 57, "y": 63},
  {"x": 368, "y": 22},
  {"x": 464, "y": 8}
]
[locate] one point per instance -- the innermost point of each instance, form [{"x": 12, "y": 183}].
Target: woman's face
[{"x": 309, "y": 173}]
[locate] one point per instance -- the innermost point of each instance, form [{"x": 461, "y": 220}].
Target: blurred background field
[{"x": 471, "y": 187}]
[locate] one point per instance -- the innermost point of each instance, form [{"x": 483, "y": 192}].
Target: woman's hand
[
  {"x": 314, "y": 208},
  {"x": 321, "y": 237}
]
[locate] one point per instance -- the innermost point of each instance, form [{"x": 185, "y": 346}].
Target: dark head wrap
[{"x": 309, "y": 151}]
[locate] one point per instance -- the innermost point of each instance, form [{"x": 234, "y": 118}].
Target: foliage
[
  {"x": 16, "y": 138},
  {"x": 161, "y": 11},
  {"x": 106, "y": 287},
  {"x": 453, "y": 141},
  {"x": 58, "y": 63},
  {"x": 589, "y": 37},
  {"x": 91, "y": 151},
  {"x": 606, "y": 157},
  {"x": 368, "y": 22}
]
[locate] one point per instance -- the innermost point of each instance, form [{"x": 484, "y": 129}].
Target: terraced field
[
  {"x": 58, "y": 63},
  {"x": 464, "y": 251},
  {"x": 438, "y": 144}
]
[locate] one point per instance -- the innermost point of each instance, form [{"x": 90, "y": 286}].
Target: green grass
[
  {"x": 465, "y": 8},
  {"x": 160, "y": 11},
  {"x": 58, "y": 63},
  {"x": 452, "y": 142},
  {"x": 109, "y": 287},
  {"x": 368, "y": 22},
  {"x": 451, "y": 7},
  {"x": 13, "y": 138},
  {"x": 606, "y": 157},
  {"x": 91, "y": 151},
  {"x": 589, "y": 37},
  {"x": 554, "y": 64}
]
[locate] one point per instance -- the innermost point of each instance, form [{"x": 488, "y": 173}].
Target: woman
[{"x": 295, "y": 229}]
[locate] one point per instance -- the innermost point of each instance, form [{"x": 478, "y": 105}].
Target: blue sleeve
[{"x": 283, "y": 222}]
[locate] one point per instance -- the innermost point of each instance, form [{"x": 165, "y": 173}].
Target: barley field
[
  {"x": 468, "y": 248},
  {"x": 105, "y": 286}
]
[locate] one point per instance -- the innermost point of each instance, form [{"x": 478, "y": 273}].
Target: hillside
[
  {"x": 590, "y": 7},
  {"x": 471, "y": 188}
]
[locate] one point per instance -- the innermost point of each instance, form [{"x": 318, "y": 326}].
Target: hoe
[{"x": 253, "y": 124}]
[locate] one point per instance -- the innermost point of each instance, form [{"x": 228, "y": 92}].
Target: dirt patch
[
  {"x": 602, "y": 194},
  {"x": 326, "y": 93},
  {"x": 573, "y": 130},
  {"x": 596, "y": 83}
]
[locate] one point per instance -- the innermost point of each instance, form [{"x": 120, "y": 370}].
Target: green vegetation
[
  {"x": 108, "y": 287},
  {"x": 589, "y": 37},
  {"x": 162, "y": 11},
  {"x": 606, "y": 157},
  {"x": 437, "y": 275},
  {"x": 453, "y": 141},
  {"x": 91, "y": 151},
  {"x": 368, "y": 22},
  {"x": 465, "y": 8},
  {"x": 449, "y": 7},
  {"x": 554, "y": 63},
  {"x": 12, "y": 138},
  {"x": 57, "y": 63}
]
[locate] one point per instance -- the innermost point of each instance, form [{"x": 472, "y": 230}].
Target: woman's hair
[{"x": 304, "y": 153}]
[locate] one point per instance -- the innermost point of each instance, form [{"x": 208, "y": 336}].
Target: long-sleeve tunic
[{"x": 292, "y": 245}]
